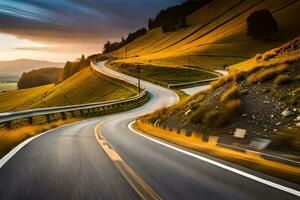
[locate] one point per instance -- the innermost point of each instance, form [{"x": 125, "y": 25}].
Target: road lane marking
[
  {"x": 12, "y": 152},
  {"x": 218, "y": 164},
  {"x": 137, "y": 183}
]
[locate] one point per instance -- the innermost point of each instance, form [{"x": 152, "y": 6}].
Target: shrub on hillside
[
  {"x": 269, "y": 55},
  {"x": 233, "y": 106},
  {"x": 260, "y": 24},
  {"x": 39, "y": 77},
  {"x": 295, "y": 100},
  {"x": 221, "y": 82},
  {"x": 282, "y": 67},
  {"x": 216, "y": 118},
  {"x": 262, "y": 76},
  {"x": 198, "y": 115},
  {"x": 232, "y": 93},
  {"x": 282, "y": 79},
  {"x": 287, "y": 138},
  {"x": 238, "y": 76}
]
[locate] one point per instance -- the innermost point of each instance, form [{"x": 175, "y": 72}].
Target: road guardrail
[{"x": 46, "y": 115}]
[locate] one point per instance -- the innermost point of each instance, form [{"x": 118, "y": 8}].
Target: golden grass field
[
  {"x": 195, "y": 142},
  {"x": 221, "y": 42},
  {"x": 11, "y": 137},
  {"x": 85, "y": 86}
]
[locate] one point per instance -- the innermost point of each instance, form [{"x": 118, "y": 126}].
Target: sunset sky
[{"x": 60, "y": 30}]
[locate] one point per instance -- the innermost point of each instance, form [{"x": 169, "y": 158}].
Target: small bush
[
  {"x": 216, "y": 118},
  {"x": 282, "y": 79},
  {"x": 287, "y": 138},
  {"x": 198, "y": 115},
  {"x": 282, "y": 67},
  {"x": 268, "y": 55},
  {"x": 296, "y": 96},
  {"x": 232, "y": 93},
  {"x": 262, "y": 76},
  {"x": 258, "y": 57},
  {"x": 254, "y": 69},
  {"x": 233, "y": 106},
  {"x": 221, "y": 82},
  {"x": 238, "y": 76},
  {"x": 211, "y": 117}
]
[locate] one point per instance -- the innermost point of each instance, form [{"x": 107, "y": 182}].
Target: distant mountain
[{"x": 17, "y": 67}]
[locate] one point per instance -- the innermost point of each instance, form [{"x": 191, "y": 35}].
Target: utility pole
[{"x": 138, "y": 75}]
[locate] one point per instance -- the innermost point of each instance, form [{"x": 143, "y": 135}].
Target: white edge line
[
  {"x": 12, "y": 152},
  {"x": 247, "y": 175}
]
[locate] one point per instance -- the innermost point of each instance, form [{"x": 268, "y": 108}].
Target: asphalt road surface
[{"x": 68, "y": 163}]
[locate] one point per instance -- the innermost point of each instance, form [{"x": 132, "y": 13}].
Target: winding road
[{"x": 68, "y": 163}]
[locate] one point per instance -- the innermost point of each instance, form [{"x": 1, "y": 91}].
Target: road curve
[{"x": 68, "y": 163}]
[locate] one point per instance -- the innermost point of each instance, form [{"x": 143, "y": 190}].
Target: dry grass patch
[
  {"x": 262, "y": 76},
  {"x": 282, "y": 79},
  {"x": 198, "y": 115},
  {"x": 11, "y": 137},
  {"x": 232, "y": 93},
  {"x": 296, "y": 96},
  {"x": 221, "y": 82},
  {"x": 233, "y": 105}
]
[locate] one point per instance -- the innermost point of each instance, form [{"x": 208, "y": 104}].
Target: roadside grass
[
  {"x": 164, "y": 75},
  {"x": 85, "y": 86},
  {"x": 250, "y": 160},
  {"x": 12, "y": 137}
]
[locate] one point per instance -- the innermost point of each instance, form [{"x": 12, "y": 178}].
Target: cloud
[{"x": 76, "y": 21}]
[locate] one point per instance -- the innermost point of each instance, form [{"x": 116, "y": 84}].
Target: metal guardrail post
[{"x": 63, "y": 115}]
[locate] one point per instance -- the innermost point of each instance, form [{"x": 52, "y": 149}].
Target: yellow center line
[{"x": 136, "y": 182}]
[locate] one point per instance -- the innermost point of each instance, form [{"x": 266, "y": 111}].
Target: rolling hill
[
  {"x": 215, "y": 36},
  {"x": 17, "y": 67},
  {"x": 86, "y": 86}
]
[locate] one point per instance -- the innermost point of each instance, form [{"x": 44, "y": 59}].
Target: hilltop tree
[
  {"x": 150, "y": 24},
  {"x": 261, "y": 24},
  {"x": 39, "y": 77},
  {"x": 109, "y": 47}
]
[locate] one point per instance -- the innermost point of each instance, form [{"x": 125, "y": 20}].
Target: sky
[{"x": 61, "y": 30}]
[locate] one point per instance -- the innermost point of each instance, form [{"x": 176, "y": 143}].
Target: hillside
[
  {"x": 85, "y": 86},
  {"x": 261, "y": 96},
  {"x": 17, "y": 67},
  {"x": 215, "y": 36}
]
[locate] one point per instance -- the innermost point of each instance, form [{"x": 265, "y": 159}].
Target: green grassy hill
[
  {"x": 215, "y": 36},
  {"x": 86, "y": 86}
]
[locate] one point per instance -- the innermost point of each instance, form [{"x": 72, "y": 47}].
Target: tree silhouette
[{"x": 261, "y": 24}]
